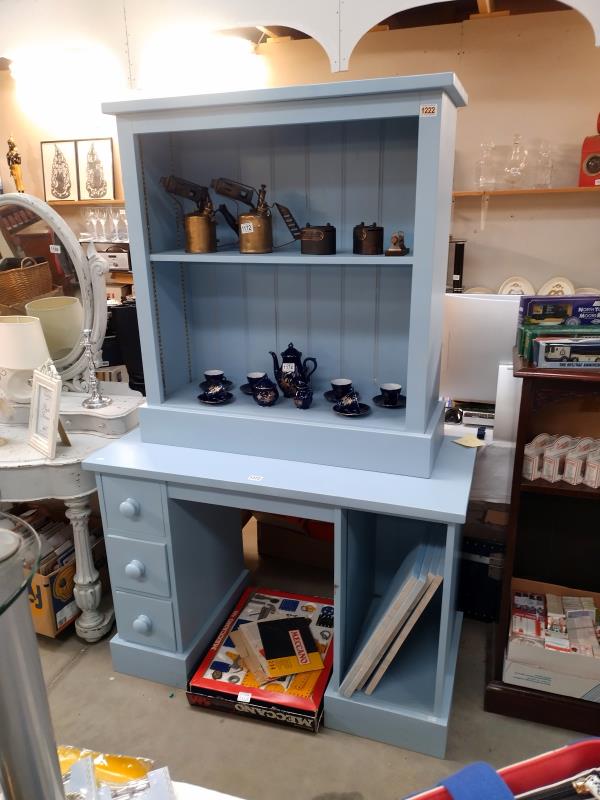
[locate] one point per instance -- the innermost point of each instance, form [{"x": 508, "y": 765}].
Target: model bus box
[
  {"x": 559, "y": 310},
  {"x": 222, "y": 682},
  {"x": 527, "y": 334},
  {"x": 569, "y": 352}
]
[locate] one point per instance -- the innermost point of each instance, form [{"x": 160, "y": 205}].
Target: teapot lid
[{"x": 291, "y": 352}]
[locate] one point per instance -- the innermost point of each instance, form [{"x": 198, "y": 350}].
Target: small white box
[
  {"x": 574, "y": 469},
  {"x": 533, "y": 455},
  {"x": 554, "y": 458},
  {"x": 591, "y": 477}
]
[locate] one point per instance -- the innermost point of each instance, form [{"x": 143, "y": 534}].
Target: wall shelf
[
  {"x": 78, "y": 203},
  {"x": 283, "y": 256},
  {"x": 559, "y": 190},
  {"x": 560, "y": 488}
]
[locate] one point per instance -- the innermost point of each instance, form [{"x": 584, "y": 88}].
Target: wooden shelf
[
  {"x": 522, "y": 370},
  {"x": 78, "y": 203},
  {"x": 560, "y": 488},
  {"x": 531, "y": 191},
  {"x": 283, "y": 256}
]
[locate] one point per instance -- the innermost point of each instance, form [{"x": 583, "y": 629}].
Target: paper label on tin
[
  {"x": 246, "y": 227},
  {"x": 597, "y": 182},
  {"x": 55, "y": 248},
  {"x": 244, "y": 697},
  {"x": 428, "y": 110}
]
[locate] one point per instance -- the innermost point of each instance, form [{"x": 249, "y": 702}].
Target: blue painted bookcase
[{"x": 377, "y": 150}]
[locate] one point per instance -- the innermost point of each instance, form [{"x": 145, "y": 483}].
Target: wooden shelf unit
[{"x": 540, "y": 513}]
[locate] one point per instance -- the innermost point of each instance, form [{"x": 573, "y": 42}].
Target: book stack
[
  {"x": 277, "y": 647},
  {"x": 393, "y": 617}
]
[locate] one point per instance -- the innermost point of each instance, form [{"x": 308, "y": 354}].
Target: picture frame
[
  {"x": 44, "y": 412},
  {"x": 95, "y": 169},
  {"x": 59, "y": 170}
]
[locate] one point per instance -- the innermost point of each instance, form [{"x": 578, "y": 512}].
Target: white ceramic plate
[
  {"x": 557, "y": 287},
  {"x": 516, "y": 284},
  {"x": 587, "y": 290},
  {"x": 478, "y": 290}
]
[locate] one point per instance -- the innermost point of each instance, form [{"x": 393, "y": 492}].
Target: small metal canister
[
  {"x": 367, "y": 240},
  {"x": 256, "y": 232},
  {"x": 317, "y": 240},
  {"x": 200, "y": 233}
]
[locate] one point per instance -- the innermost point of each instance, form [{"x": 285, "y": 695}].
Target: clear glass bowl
[{"x": 19, "y": 558}]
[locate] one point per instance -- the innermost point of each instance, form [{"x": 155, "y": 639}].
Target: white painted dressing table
[{"x": 27, "y": 475}]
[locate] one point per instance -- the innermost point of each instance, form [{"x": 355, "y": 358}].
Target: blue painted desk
[{"x": 172, "y": 523}]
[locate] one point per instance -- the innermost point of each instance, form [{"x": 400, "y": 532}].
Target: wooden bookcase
[
  {"x": 551, "y": 536},
  {"x": 171, "y": 494}
]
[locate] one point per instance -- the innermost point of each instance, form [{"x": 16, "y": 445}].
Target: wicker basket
[{"x": 27, "y": 281}]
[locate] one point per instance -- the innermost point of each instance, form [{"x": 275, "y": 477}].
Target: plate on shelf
[
  {"x": 557, "y": 286},
  {"x": 226, "y": 383},
  {"x": 364, "y": 409},
  {"x": 479, "y": 290},
  {"x": 204, "y": 399},
  {"x": 378, "y": 400},
  {"x": 587, "y": 290},
  {"x": 331, "y": 398},
  {"x": 516, "y": 284}
]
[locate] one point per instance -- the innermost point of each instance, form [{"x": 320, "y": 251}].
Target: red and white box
[
  {"x": 591, "y": 477},
  {"x": 533, "y": 455},
  {"x": 574, "y": 468},
  {"x": 554, "y": 458}
]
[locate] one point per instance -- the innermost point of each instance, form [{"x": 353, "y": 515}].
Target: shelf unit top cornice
[{"x": 445, "y": 82}]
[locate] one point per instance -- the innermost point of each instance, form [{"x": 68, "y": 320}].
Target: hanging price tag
[
  {"x": 55, "y": 248},
  {"x": 246, "y": 227}
]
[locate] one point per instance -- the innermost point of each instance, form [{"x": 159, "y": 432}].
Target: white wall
[{"x": 536, "y": 74}]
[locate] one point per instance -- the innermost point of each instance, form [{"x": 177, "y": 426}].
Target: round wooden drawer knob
[
  {"x": 130, "y": 508},
  {"x": 135, "y": 569},
  {"x": 142, "y": 624}
]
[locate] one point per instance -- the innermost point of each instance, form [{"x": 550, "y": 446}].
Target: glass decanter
[
  {"x": 517, "y": 162},
  {"x": 485, "y": 173},
  {"x": 544, "y": 166}
]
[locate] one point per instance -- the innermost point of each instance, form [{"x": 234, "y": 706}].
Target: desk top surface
[{"x": 443, "y": 496}]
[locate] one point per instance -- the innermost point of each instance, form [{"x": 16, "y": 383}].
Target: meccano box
[
  {"x": 559, "y": 310},
  {"x": 535, "y": 667},
  {"x": 222, "y": 682},
  {"x": 51, "y": 600}
]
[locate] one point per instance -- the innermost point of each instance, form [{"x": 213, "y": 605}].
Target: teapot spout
[{"x": 276, "y": 366}]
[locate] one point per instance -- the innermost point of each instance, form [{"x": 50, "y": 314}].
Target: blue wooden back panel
[
  {"x": 169, "y": 289},
  {"x": 353, "y": 321}
]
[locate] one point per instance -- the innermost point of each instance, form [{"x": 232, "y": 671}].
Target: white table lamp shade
[
  {"x": 62, "y": 322},
  {"x": 22, "y": 349}
]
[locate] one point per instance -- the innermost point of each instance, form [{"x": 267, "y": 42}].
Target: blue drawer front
[
  {"x": 145, "y": 620},
  {"x": 138, "y": 566},
  {"x": 134, "y": 506}
]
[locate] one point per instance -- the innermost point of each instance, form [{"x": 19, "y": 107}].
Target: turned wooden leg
[{"x": 93, "y": 623}]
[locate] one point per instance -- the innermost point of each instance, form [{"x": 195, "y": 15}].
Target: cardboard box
[
  {"x": 294, "y": 539},
  {"x": 51, "y": 599},
  {"x": 221, "y": 681},
  {"x": 529, "y": 665}
]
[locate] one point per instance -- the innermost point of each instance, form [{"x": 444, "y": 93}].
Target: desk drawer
[
  {"x": 145, "y": 620},
  {"x": 138, "y": 566},
  {"x": 134, "y": 506}
]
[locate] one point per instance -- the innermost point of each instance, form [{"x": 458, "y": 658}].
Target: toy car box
[
  {"x": 559, "y": 310},
  {"x": 222, "y": 682},
  {"x": 568, "y": 352}
]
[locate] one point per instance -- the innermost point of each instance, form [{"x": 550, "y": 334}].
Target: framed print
[
  {"x": 43, "y": 416},
  {"x": 59, "y": 167},
  {"x": 95, "y": 169}
]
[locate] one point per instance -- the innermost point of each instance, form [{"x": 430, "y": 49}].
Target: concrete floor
[{"x": 94, "y": 707}]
